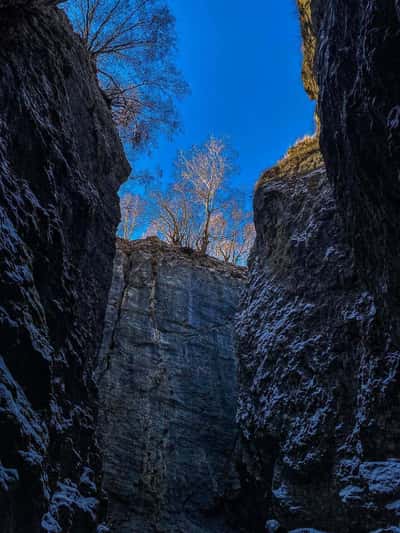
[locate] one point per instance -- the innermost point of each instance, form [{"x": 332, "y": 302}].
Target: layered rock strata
[{"x": 167, "y": 383}]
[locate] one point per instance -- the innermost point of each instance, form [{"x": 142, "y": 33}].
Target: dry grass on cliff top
[
  {"x": 309, "y": 46},
  {"x": 155, "y": 246},
  {"x": 302, "y": 158}
]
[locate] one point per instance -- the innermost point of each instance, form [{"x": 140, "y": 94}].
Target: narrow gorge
[{"x": 146, "y": 387}]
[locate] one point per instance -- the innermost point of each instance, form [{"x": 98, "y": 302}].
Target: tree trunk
[{"x": 205, "y": 241}]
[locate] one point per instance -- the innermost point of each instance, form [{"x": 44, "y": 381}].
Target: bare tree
[
  {"x": 131, "y": 44},
  {"x": 247, "y": 243},
  {"x": 232, "y": 234},
  {"x": 199, "y": 210},
  {"x": 175, "y": 220},
  {"x": 132, "y": 207},
  {"x": 204, "y": 169}
]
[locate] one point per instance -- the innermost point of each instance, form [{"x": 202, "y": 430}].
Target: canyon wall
[
  {"x": 167, "y": 381},
  {"x": 316, "y": 443},
  {"x": 61, "y": 163},
  {"x": 319, "y": 405}
]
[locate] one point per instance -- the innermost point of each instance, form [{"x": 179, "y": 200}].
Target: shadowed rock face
[
  {"x": 319, "y": 404},
  {"x": 315, "y": 398},
  {"x": 358, "y": 70},
  {"x": 61, "y": 164},
  {"x": 302, "y": 311},
  {"x": 167, "y": 383}
]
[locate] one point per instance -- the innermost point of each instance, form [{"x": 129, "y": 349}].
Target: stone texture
[
  {"x": 309, "y": 46},
  {"x": 319, "y": 405},
  {"x": 358, "y": 70},
  {"x": 308, "y": 373},
  {"x": 301, "y": 311},
  {"x": 61, "y": 163},
  {"x": 167, "y": 380},
  {"x": 23, "y": 6}
]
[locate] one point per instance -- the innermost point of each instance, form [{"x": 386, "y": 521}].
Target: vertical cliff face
[
  {"x": 319, "y": 405},
  {"x": 61, "y": 163},
  {"x": 358, "y": 70},
  {"x": 167, "y": 382},
  {"x": 301, "y": 312}
]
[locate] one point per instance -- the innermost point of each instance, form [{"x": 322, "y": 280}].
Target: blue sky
[{"x": 242, "y": 61}]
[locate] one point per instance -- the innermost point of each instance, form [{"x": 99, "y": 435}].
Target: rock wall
[
  {"x": 167, "y": 382},
  {"x": 61, "y": 163},
  {"x": 358, "y": 70},
  {"x": 302, "y": 314},
  {"x": 319, "y": 405}
]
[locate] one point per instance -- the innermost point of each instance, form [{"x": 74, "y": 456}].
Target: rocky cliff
[
  {"x": 319, "y": 405},
  {"x": 167, "y": 379},
  {"x": 358, "y": 70},
  {"x": 61, "y": 164}
]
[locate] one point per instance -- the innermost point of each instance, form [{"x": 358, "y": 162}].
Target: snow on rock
[
  {"x": 272, "y": 526},
  {"x": 319, "y": 330}
]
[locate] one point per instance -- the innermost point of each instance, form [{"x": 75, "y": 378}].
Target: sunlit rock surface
[
  {"x": 168, "y": 389},
  {"x": 61, "y": 164}
]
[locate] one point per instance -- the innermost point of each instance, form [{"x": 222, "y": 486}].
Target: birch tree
[
  {"x": 205, "y": 169},
  {"x": 132, "y": 208},
  {"x": 175, "y": 219},
  {"x": 232, "y": 234},
  {"x": 199, "y": 210}
]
